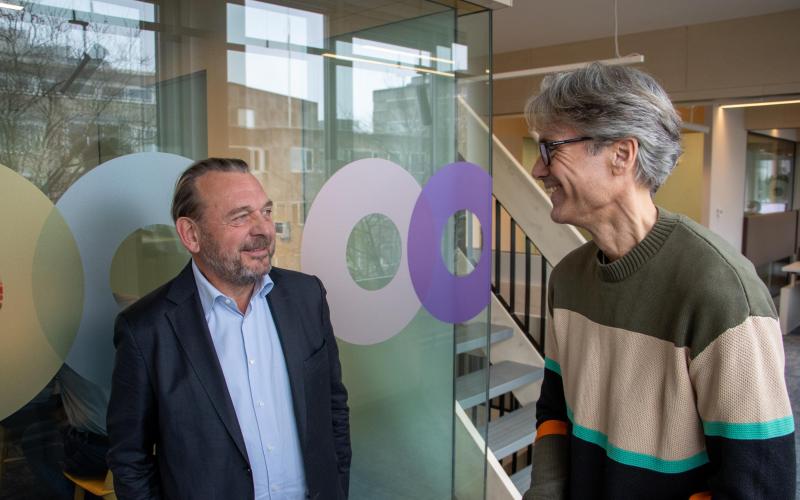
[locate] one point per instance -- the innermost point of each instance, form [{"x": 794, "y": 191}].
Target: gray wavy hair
[{"x": 609, "y": 103}]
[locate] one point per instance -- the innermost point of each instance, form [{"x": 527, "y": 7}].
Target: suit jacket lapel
[
  {"x": 188, "y": 322},
  {"x": 290, "y": 332}
]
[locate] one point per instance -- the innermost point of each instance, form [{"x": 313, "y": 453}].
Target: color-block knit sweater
[{"x": 664, "y": 375}]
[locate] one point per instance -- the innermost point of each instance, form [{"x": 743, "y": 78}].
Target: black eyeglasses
[{"x": 547, "y": 147}]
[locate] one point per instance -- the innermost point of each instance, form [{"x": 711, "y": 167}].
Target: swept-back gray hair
[{"x": 609, "y": 103}]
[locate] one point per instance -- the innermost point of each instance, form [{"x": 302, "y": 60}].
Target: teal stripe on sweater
[
  {"x": 552, "y": 366},
  {"x": 755, "y": 430},
  {"x": 635, "y": 459}
]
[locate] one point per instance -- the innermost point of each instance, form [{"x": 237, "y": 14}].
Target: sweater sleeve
[
  {"x": 747, "y": 418},
  {"x": 550, "y": 471}
]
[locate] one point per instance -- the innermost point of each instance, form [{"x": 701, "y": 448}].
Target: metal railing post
[
  {"x": 497, "y": 244},
  {"x": 542, "y": 302},
  {"x": 527, "y": 319},
  {"x": 512, "y": 267}
]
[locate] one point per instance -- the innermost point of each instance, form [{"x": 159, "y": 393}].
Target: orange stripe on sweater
[
  {"x": 551, "y": 427},
  {"x": 705, "y": 495}
]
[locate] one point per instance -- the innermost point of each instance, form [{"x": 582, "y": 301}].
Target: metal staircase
[
  {"x": 511, "y": 427},
  {"x": 504, "y": 377},
  {"x": 472, "y": 336}
]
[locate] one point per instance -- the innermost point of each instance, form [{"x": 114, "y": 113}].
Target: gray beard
[{"x": 230, "y": 268}]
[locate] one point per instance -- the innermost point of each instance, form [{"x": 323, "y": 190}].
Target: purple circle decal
[{"x": 450, "y": 298}]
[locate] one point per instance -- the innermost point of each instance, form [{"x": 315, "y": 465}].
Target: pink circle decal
[{"x": 368, "y": 186}]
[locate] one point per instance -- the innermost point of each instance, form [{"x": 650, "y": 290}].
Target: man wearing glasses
[
  {"x": 664, "y": 358},
  {"x": 227, "y": 382}
]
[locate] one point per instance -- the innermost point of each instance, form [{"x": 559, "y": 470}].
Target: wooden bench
[{"x": 99, "y": 486}]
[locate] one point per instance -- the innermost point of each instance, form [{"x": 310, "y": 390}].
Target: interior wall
[
  {"x": 727, "y": 174},
  {"x": 786, "y": 116},
  {"x": 745, "y": 57},
  {"x": 511, "y": 130},
  {"x": 684, "y": 189}
]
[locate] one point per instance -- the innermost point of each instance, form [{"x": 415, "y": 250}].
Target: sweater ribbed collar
[{"x": 646, "y": 249}]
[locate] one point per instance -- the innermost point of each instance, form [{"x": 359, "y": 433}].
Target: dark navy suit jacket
[{"x": 171, "y": 422}]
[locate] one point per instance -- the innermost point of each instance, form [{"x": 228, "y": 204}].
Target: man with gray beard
[{"x": 227, "y": 382}]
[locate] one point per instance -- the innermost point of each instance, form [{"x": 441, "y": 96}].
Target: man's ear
[
  {"x": 625, "y": 152},
  {"x": 189, "y": 234}
]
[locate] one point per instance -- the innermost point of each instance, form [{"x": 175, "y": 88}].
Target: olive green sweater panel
[{"x": 681, "y": 283}]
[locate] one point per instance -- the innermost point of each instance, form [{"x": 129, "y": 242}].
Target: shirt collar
[{"x": 209, "y": 293}]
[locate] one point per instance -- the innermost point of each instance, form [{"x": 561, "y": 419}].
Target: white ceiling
[{"x": 539, "y": 23}]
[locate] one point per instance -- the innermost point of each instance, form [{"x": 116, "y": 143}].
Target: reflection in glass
[
  {"x": 145, "y": 260},
  {"x": 770, "y": 174},
  {"x": 373, "y": 252},
  {"x": 462, "y": 253},
  {"x": 401, "y": 389},
  {"x": 80, "y": 92},
  {"x": 86, "y": 81},
  {"x": 472, "y": 56}
]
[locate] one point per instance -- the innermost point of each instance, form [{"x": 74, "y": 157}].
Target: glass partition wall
[
  {"x": 346, "y": 111},
  {"x": 769, "y": 180}
]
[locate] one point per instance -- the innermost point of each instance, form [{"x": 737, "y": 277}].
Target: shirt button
[
  {"x": 227, "y": 301},
  {"x": 274, "y": 488},
  {"x": 270, "y": 448},
  {"x": 252, "y": 361},
  {"x": 260, "y": 403}
]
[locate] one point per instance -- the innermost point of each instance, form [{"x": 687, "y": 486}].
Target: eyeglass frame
[{"x": 547, "y": 147}]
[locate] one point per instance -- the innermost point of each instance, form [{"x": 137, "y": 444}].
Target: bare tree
[{"x": 63, "y": 81}]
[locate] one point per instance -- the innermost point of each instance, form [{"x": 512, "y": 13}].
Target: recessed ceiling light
[
  {"x": 759, "y": 103},
  {"x": 631, "y": 59}
]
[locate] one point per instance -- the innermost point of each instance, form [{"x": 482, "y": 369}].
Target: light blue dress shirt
[{"x": 251, "y": 356}]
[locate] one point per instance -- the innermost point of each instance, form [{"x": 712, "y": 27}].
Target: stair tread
[
  {"x": 513, "y": 431},
  {"x": 522, "y": 479},
  {"x": 503, "y": 377},
  {"x": 473, "y": 336}
]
